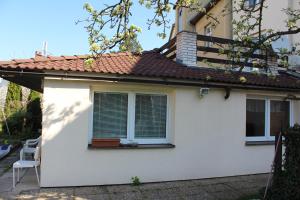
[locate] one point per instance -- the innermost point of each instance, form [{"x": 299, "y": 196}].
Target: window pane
[
  {"x": 255, "y": 118},
  {"x": 110, "y": 115},
  {"x": 150, "y": 116},
  {"x": 280, "y": 116}
]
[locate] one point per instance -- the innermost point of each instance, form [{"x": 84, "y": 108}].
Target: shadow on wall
[
  {"x": 65, "y": 115},
  {"x": 63, "y": 126}
]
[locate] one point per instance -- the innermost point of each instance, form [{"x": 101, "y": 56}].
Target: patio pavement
[{"x": 204, "y": 189}]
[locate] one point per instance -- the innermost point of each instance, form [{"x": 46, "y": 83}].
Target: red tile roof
[{"x": 147, "y": 64}]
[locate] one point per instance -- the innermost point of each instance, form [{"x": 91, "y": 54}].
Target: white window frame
[
  {"x": 208, "y": 33},
  {"x": 267, "y": 135},
  {"x": 131, "y": 117}
]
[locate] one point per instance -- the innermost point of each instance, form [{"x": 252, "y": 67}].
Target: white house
[{"x": 174, "y": 121}]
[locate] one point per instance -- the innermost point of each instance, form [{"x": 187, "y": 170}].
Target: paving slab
[
  {"x": 90, "y": 190},
  {"x": 204, "y": 189}
]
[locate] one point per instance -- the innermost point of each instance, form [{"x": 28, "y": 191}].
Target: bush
[
  {"x": 286, "y": 183},
  {"x": 135, "y": 181},
  {"x": 13, "y": 102},
  {"x": 23, "y": 121},
  {"x": 34, "y": 113},
  {"x": 15, "y": 122}
]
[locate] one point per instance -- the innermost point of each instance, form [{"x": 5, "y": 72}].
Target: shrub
[
  {"x": 13, "y": 102},
  {"x": 23, "y": 121},
  {"x": 34, "y": 113},
  {"x": 13, "y": 110},
  {"x": 286, "y": 183},
  {"x": 15, "y": 122},
  {"x": 136, "y": 181}
]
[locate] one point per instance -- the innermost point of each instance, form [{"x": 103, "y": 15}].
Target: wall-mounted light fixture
[{"x": 203, "y": 92}]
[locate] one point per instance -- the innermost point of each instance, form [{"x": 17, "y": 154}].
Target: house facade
[
  {"x": 273, "y": 18},
  {"x": 200, "y": 23},
  {"x": 174, "y": 121},
  {"x": 174, "y": 118}
]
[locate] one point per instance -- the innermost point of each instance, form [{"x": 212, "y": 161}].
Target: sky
[{"x": 26, "y": 24}]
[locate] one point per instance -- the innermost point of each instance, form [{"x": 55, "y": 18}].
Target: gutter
[{"x": 162, "y": 81}]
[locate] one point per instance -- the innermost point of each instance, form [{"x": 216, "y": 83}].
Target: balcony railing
[
  {"x": 169, "y": 49},
  {"x": 222, "y": 51}
]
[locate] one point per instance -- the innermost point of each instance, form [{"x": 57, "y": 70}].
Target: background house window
[
  {"x": 265, "y": 118},
  {"x": 150, "y": 116},
  {"x": 255, "y": 118},
  {"x": 132, "y": 117},
  {"x": 251, "y": 3},
  {"x": 110, "y": 115},
  {"x": 208, "y": 32}
]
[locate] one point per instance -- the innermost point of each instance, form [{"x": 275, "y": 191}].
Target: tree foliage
[
  {"x": 131, "y": 45},
  {"x": 117, "y": 15},
  {"x": 22, "y": 120},
  {"x": 13, "y": 101},
  {"x": 33, "y": 112},
  {"x": 13, "y": 110}
]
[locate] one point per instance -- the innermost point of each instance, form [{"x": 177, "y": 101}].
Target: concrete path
[
  {"x": 6, "y": 163},
  {"x": 205, "y": 189}
]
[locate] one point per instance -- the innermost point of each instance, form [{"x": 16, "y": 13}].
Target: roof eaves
[
  {"x": 153, "y": 80},
  {"x": 207, "y": 8}
]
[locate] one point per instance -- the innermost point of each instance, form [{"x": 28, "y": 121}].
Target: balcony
[{"x": 195, "y": 50}]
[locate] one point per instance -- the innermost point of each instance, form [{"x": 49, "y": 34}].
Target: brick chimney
[{"x": 186, "y": 48}]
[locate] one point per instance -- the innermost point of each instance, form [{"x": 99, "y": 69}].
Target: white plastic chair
[
  {"x": 31, "y": 142},
  {"x": 27, "y": 164},
  {"x": 29, "y": 147}
]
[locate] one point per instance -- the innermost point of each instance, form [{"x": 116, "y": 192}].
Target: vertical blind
[
  {"x": 110, "y": 115},
  {"x": 150, "y": 116}
]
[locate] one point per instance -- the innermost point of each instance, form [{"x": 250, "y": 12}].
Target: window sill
[
  {"x": 253, "y": 143},
  {"x": 140, "y": 146}
]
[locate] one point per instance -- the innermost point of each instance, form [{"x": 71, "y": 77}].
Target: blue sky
[{"x": 25, "y": 25}]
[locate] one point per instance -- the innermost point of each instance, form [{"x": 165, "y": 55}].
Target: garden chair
[
  {"x": 27, "y": 164},
  {"x": 29, "y": 147},
  {"x": 31, "y": 142}
]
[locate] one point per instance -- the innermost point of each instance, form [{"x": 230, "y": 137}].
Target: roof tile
[{"x": 147, "y": 64}]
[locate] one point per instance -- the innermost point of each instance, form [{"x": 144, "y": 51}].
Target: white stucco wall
[{"x": 209, "y": 135}]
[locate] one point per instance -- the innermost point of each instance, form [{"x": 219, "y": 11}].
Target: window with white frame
[
  {"x": 266, "y": 117},
  {"x": 251, "y": 3},
  {"x": 208, "y": 32},
  {"x": 132, "y": 117}
]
